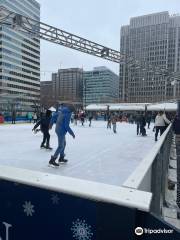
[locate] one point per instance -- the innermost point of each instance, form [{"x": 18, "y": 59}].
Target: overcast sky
[{"x": 96, "y": 20}]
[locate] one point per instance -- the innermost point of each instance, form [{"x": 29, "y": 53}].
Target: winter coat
[
  {"x": 44, "y": 123},
  {"x": 161, "y": 120},
  {"x": 142, "y": 121},
  {"x": 176, "y": 125},
  {"x": 62, "y": 120}
]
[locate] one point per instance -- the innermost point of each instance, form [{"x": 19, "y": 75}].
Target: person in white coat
[{"x": 160, "y": 123}]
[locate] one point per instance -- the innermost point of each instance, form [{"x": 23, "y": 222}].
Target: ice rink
[{"x": 96, "y": 154}]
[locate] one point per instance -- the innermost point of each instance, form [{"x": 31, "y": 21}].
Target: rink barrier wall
[
  {"x": 152, "y": 173},
  {"x": 30, "y": 212},
  {"x": 77, "y": 187},
  {"x": 36, "y": 205}
]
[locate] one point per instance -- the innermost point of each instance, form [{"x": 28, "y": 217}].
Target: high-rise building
[
  {"x": 154, "y": 41},
  {"x": 20, "y": 58},
  {"x": 67, "y": 85},
  {"x": 47, "y": 98},
  {"x": 100, "y": 86}
]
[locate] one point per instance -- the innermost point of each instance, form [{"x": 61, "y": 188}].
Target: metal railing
[{"x": 152, "y": 174}]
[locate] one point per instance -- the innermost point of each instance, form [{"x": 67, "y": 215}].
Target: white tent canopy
[{"x": 170, "y": 106}]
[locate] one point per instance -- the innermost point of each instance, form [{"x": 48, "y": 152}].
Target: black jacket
[
  {"x": 44, "y": 123},
  {"x": 176, "y": 125}
]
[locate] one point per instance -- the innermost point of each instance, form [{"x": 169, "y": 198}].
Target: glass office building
[
  {"x": 100, "y": 86},
  {"x": 154, "y": 40},
  {"x": 20, "y": 59}
]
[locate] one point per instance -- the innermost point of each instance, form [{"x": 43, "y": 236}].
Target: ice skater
[
  {"x": 114, "y": 120},
  {"x": 13, "y": 117},
  {"x": 62, "y": 120},
  {"x": 109, "y": 122},
  {"x": 138, "y": 122},
  {"x": 160, "y": 123},
  {"x": 142, "y": 125},
  {"x": 90, "y": 120},
  {"x": 44, "y": 126}
]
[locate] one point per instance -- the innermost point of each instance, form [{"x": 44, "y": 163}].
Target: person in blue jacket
[{"x": 62, "y": 119}]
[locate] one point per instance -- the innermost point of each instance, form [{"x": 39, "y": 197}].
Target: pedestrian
[
  {"x": 35, "y": 117},
  {"x": 148, "y": 120},
  {"x": 108, "y": 121},
  {"x": 13, "y": 117},
  {"x": 75, "y": 119},
  {"x": 72, "y": 117},
  {"x": 138, "y": 123},
  {"x": 29, "y": 117},
  {"x": 82, "y": 117},
  {"x": 160, "y": 123},
  {"x": 142, "y": 125},
  {"x": 44, "y": 123},
  {"x": 90, "y": 120},
  {"x": 62, "y": 120},
  {"x": 114, "y": 120}
]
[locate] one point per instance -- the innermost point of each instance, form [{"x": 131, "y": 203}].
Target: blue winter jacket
[{"x": 62, "y": 120}]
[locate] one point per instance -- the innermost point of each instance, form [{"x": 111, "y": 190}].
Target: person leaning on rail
[{"x": 160, "y": 123}]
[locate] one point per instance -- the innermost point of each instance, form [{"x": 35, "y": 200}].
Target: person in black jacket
[
  {"x": 142, "y": 125},
  {"x": 44, "y": 125},
  {"x": 138, "y": 119}
]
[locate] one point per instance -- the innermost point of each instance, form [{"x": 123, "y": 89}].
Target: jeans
[{"x": 61, "y": 146}]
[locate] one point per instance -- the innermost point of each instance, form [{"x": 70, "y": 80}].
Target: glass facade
[
  {"x": 153, "y": 40},
  {"x": 20, "y": 58},
  {"x": 100, "y": 86}
]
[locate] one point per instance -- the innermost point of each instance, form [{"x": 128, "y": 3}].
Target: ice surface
[{"x": 96, "y": 154}]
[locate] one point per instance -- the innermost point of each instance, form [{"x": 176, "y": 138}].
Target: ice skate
[
  {"x": 42, "y": 146},
  {"x": 62, "y": 160},
  {"x": 48, "y": 148},
  {"x": 52, "y": 162}
]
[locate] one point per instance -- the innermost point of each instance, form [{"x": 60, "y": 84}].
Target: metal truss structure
[
  {"x": 58, "y": 36},
  {"x": 36, "y": 29}
]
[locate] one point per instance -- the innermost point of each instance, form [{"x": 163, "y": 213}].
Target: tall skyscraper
[
  {"x": 154, "y": 41},
  {"x": 20, "y": 59},
  {"x": 100, "y": 86},
  {"x": 67, "y": 85}
]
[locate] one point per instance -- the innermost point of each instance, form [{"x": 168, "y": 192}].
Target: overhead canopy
[
  {"x": 162, "y": 107},
  {"x": 133, "y": 107},
  {"x": 117, "y": 107}
]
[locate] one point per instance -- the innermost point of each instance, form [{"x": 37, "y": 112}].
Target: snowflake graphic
[
  {"x": 28, "y": 208},
  {"x": 81, "y": 231},
  {"x": 55, "y": 199}
]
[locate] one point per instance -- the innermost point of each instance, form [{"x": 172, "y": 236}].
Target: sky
[{"x": 96, "y": 20}]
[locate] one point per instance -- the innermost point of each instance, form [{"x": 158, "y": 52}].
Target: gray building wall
[
  {"x": 47, "y": 98},
  {"x": 154, "y": 40},
  {"x": 68, "y": 84},
  {"x": 100, "y": 86},
  {"x": 20, "y": 57}
]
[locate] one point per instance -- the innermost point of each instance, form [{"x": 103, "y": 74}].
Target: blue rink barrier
[
  {"x": 35, "y": 205},
  {"x": 9, "y": 119}
]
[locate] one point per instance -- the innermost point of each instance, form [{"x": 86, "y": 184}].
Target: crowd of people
[{"x": 63, "y": 116}]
